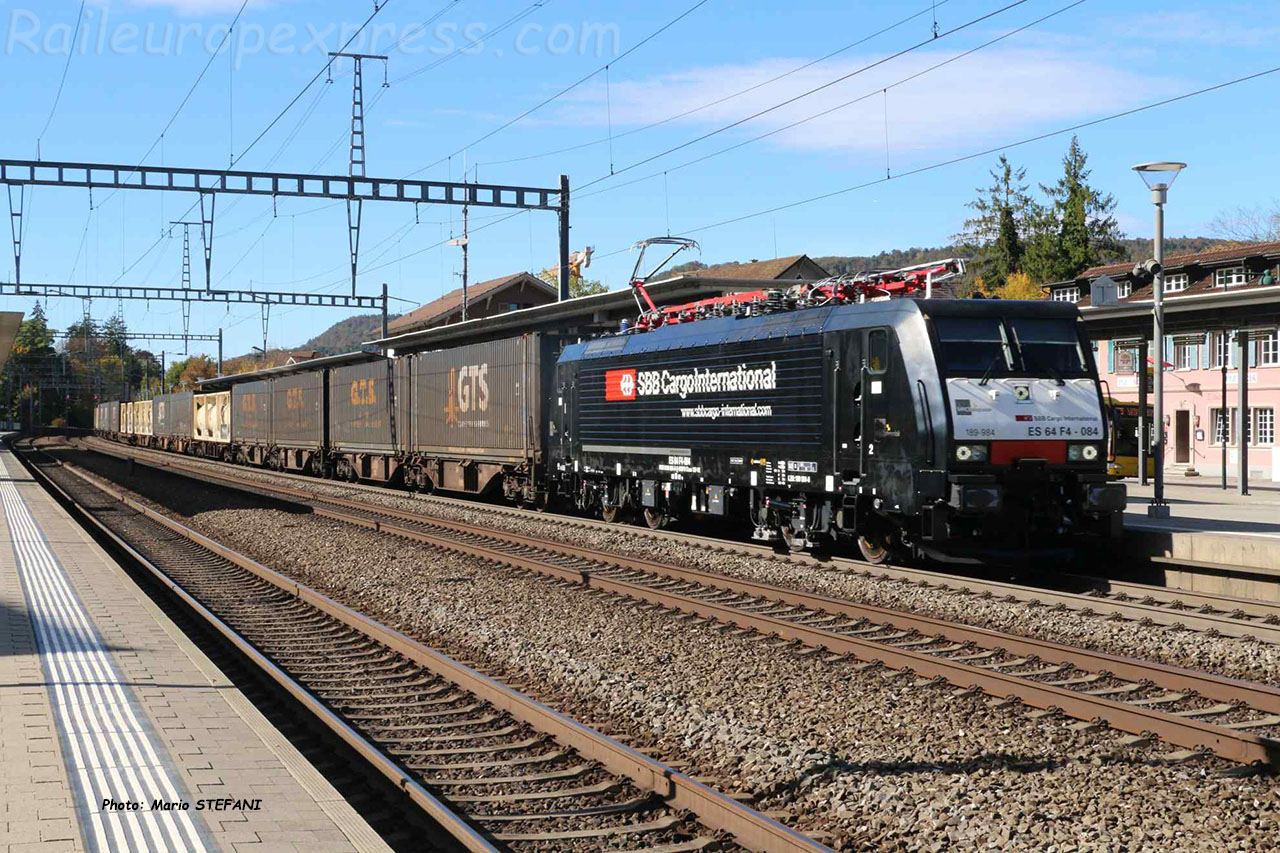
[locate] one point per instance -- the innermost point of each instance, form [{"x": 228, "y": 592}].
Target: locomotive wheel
[
  {"x": 654, "y": 519},
  {"x": 874, "y": 549}
]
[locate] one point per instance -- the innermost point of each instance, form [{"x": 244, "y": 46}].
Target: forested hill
[
  {"x": 347, "y": 335},
  {"x": 1139, "y": 248}
]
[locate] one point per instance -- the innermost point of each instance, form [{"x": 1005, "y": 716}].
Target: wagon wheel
[
  {"x": 610, "y": 513},
  {"x": 875, "y": 549},
  {"x": 654, "y": 519},
  {"x": 789, "y": 535}
]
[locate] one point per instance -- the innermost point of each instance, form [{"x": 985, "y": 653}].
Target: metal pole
[
  {"x": 1144, "y": 423},
  {"x": 1158, "y": 507},
  {"x": 466, "y": 249},
  {"x": 219, "y": 352},
  {"x": 1242, "y": 418},
  {"x": 384, "y": 310},
  {"x": 564, "y": 237},
  {"x": 164, "y": 387},
  {"x": 1224, "y": 412}
]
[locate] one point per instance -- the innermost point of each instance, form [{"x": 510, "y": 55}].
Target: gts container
[
  {"x": 251, "y": 420},
  {"x": 477, "y": 412},
  {"x": 297, "y": 410},
  {"x": 369, "y": 418},
  {"x": 172, "y": 419}
]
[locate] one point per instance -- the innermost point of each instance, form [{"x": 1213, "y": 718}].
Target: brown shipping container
[
  {"x": 172, "y": 414},
  {"x": 297, "y": 406},
  {"x": 251, "y": 412},
  {"x": 481, "y": 401},
  {"x": 360, "y": 414}
]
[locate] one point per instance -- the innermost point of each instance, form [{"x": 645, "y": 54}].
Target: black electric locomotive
[
  {"x": 959, "y": 429},
  {"x": 947, "y": 427}
]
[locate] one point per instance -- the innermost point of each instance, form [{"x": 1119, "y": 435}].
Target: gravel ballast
[
  {"x": 872, "y": 761},
  {"x": 1231, "y": 656}
]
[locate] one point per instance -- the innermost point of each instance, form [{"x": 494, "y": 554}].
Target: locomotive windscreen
[
  {"x": 1048, "y": 345},
  {"x": 972, "y": 345},
  {"x": 995, "y": 346}
]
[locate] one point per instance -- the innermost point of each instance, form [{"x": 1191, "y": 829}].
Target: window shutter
[
  {"x": 1111, "y": 356},
  {"x": 1254, "y": 345},
  {"x": 1170, "y": 356},
  {"x": 1206, "y": 347}
]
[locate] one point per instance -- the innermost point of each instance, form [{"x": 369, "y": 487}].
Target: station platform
[
  {"x": 104, "y": 700},
  {"x": 1209, "y": 526}
]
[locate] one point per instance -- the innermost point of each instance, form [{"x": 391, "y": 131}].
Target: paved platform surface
[
  {"x": 102, "y": 697},
  {"x": 1202, "y": 505},
  {"x": 1207, "y": 527}
]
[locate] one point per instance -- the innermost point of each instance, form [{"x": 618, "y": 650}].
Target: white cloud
[
  {"x": 985, "y": 97},
  {"x": 1224, "y": 27},
  {"x": 189, "y": 8}
]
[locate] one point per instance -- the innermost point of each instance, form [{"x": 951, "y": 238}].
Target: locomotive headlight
[
  {"x": 1082, "y": 452},
  {"x": 971, "y": 453}
]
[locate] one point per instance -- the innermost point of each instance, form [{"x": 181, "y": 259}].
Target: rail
[{"x": 712, "y": 809}]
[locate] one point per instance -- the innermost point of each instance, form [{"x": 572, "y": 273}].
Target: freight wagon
[
  {"x": 957, "y": 429},
  {"x": 478, "y": 424},
  {"x": 172, "y": 421}
]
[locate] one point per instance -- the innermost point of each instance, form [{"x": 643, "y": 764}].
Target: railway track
[
  {"x": 1197, "y": 611},
  {"x": 495, "y": 768},
  {"x": 1194, "y": 711}
]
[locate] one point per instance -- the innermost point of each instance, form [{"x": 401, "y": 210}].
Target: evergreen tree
[
  {"x": 34, "y": 335},
  {"x": 995, "y": 234},
  {"x": 1075, "y": 229},
  {"x": 115, "y": 334}
]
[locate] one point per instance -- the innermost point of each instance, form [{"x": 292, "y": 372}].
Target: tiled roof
[
  {"x": 757, "y": 270},
  {"x": 1199, "y": 267},
  {"x": 452, "y": 301},
  {"x": 1172, "y": 263}
]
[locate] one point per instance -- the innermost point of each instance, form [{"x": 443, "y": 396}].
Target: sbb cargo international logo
[{"x": 619, "y": 385}]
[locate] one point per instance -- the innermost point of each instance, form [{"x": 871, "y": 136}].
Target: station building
[{"x": 1215, "y": 301}]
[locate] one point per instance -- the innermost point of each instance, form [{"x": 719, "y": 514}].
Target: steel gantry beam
[
  {"x": 178, "y": 294},
  {"x": 210, "y": 183}
]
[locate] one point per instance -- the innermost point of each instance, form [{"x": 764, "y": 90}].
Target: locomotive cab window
[
  {"x": 1049, "y": 346},
  {"x": 878, "y": 351},
  {"x": 972, "y": 346}
]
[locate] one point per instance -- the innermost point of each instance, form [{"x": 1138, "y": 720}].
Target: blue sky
[{"x": 135, "y": 60}]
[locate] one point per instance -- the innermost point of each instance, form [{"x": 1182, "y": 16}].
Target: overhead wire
[
  {"x": 567, "y": 89},
  {"x": 717, "y": 101},
  {"x": 57, "y": 98},
  {"x": 844, "y": 105},
  {"x": 986, "y": 152},
  {"x": 808, "y": 92}
]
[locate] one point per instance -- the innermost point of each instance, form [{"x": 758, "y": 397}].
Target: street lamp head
[{"x": 1159, "y": 175}]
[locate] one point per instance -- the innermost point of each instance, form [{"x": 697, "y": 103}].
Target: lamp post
[{"x": 1158, "y": 177}]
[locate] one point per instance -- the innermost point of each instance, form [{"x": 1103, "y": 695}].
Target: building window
[
  {"x": 1221, "y": 429},
  {"x": 1222, "y": 352},
  {"x": 1264, "y": 421},
  {"x": 1229, "y": 276},
  {"x": 1067, "y": 294},
  {"x": 1185, "y": 357},
  {"x": 1124, "y": 289},
  {"x": 1268, "y": 347},
  {"x": 1175, "y": 282}
]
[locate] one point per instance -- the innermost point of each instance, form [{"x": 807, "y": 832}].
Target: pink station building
[{"x": 1210, "y": 297}]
